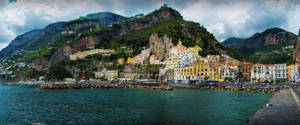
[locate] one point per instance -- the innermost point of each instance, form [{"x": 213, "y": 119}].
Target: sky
[{"x": 223, "y": 18}]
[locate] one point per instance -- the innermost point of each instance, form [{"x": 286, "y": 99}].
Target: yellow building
[
  {"x": 292, "y": 72},
  {"x": 131, "y": 60},
  {"x": 108, "y": 74},
  {"x": 196, "y": 71}
]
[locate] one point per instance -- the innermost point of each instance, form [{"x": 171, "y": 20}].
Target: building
[
  {"x": 196, "y": 71},
  {"x": 258, "y": 73},
  {"x": 131, "y": 60},
  {"x": 142, "y": 57},
  {"x": 213, "y": 60},
  {"x": 229, "y": 72},
  {"x": 245, "y": 68},
  {"x": 293, "y": 73},
  {"x": 276, "y": 72},
  {"x": 108, "y": 74},
  {"x": 83, "y": 54}
]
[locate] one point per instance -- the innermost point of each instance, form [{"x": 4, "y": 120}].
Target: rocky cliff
[{"x": 160, "y": 46}]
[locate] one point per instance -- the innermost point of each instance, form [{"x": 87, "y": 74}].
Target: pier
[{"x": 284, "y": 111}]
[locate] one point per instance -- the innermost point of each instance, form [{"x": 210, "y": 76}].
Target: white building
[
  {"x": 258, "y": 73},
  {"x": 229, "y": 71}
]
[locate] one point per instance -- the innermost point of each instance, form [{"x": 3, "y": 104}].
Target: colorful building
[
  {"x": 131, "y": 60},
  {"x": 142, "y": 57},
  {"x": 245, "y": 68},
  {"x": 229, "y": 71},
  {"x": 276, "y": 72},
  {"x": 196, "y": 71},
  {"x": 293, "y": 73},
  {"x": 108, "y": 74},
  {"x": 258, "y": 73}
]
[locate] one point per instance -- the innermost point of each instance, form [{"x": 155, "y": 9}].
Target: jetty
[
  {"x": 101, "y": 85},
  {"x": 284, "y": 110}
]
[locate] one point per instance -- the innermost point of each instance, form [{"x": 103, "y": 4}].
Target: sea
[{"x": 25, "y": 104}]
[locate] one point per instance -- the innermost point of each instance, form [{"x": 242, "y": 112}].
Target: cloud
[
  {"x": 223, "y": 18},
  {"x": 243, "y": 18}
]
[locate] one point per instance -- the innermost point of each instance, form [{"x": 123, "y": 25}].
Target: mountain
[
  {"x": 95, "y": 20},
  {"x": 262, "y": 47},
  {"x": 57, "y": 33},
  {"x": 19, "y": 43},
  {"x": 47, "y": 34},
  {"x": 163, "y": 28},
  {"x": 157, "y": 31},
  {"x": 134, "y": 34},
  {"x": 234, "y": 42}
]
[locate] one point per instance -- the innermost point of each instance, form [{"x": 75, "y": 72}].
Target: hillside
[
  {"x": 135, "y": 34},
  {"x": 55, "y": 35},
  {"x": 19, "y": 43},
  {"x": 271, "y": 46},
  {"x": 163, "y": 28}
]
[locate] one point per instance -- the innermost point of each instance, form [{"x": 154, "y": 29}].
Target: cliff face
[
  {"x": 19, "y": 42},
  {"x": 160, "y": 46},
  {"x": 296, "y": 52}
]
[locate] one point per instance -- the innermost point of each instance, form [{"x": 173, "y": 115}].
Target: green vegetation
[
  {"x": 30, "y": 73},
  {"x": 58, "y": 72},
  {"x": 48, "y": 48},
  {"x": 273, "y": 54}
]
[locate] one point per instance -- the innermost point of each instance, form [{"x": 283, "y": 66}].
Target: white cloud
[
  {"x": 18, "y": 15},
  {"x": 220, "y": 19},
  {"x": 243, "y": 18},
  {"x": 294, "y": 19}
]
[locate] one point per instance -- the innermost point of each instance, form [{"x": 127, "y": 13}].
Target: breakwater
[
  {"x": 284, "y": 111},
  {"x": 99, "y": 85},
  {"x": 157, "y": 86},
  {"x": 234, "y": 89}
]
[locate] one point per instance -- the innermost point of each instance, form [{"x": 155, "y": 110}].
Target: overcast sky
[{"x": 223, "y": 18}]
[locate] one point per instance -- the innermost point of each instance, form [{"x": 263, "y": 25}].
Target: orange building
[{"x": 245, "y": 68}]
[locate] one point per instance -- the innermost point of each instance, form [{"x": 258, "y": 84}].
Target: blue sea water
[{"x": 26, "y": 105}]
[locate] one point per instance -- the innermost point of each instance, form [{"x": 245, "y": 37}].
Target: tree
[{"x": 58, "y": 72}]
